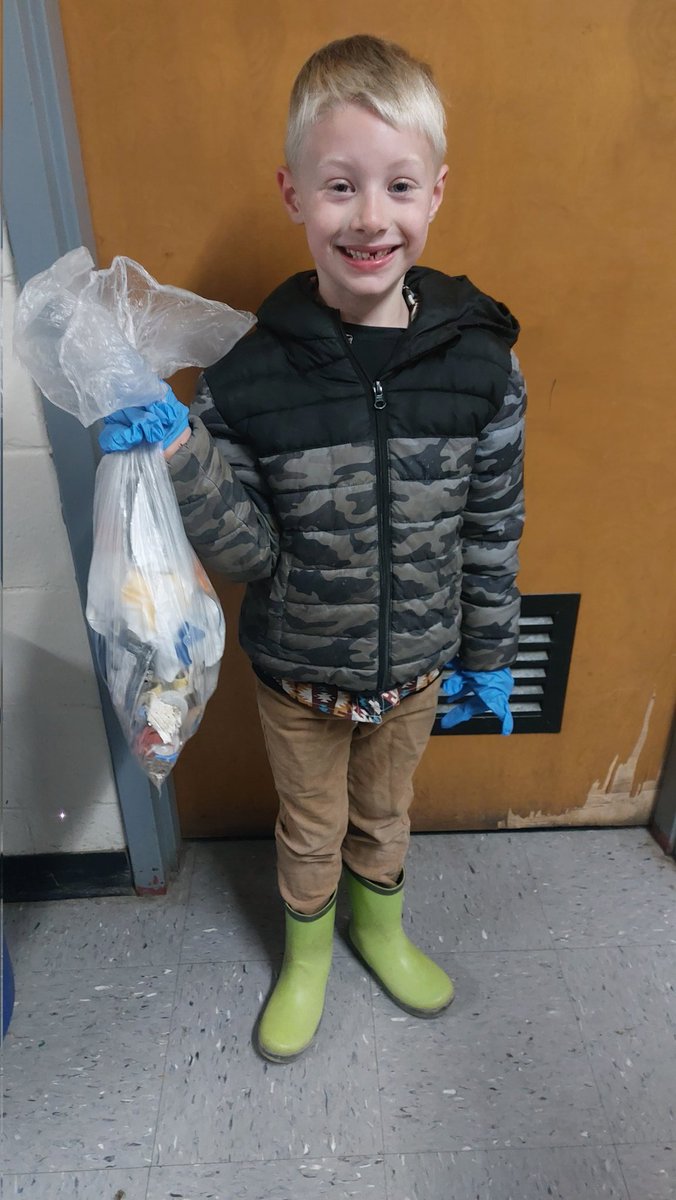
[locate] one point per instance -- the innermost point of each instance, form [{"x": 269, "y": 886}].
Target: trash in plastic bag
[
  {"x": 160, "y": 629},
  {"x": 94, "y": 342}
]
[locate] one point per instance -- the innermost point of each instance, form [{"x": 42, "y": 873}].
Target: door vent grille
[{"x": 546, "y": 633}]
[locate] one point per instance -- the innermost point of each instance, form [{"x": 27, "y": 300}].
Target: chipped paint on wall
[{"x": 613, "y": 802}]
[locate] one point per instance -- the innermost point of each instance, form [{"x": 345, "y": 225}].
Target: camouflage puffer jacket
[{"x": 377, "y": 525}]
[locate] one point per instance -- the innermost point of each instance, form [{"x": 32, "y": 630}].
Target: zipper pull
[{"x": 379, "y": 400}]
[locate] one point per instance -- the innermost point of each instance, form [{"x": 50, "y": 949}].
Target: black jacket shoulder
[{"x": 296, "y": 330}]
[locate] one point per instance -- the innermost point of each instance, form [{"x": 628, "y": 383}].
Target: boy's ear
[
  {"x": 438, "y": 191},
  {"x": 290, "y": 196}
]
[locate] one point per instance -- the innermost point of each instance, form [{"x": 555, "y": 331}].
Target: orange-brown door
[{"x": 562, "y": 130}]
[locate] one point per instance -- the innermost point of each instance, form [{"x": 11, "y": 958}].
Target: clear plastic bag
[
  {"x": 95, "y": 342},
  {"x": 159, "y": 626}
]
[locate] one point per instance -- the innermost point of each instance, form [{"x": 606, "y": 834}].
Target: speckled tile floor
[{"x": 129, "y": 1073}]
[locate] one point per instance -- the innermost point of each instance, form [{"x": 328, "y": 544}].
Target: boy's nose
[{"x": 369, "y": 216}]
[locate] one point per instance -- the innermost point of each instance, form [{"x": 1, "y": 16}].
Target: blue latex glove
[
  {"x": 476, "y": 692},
  {"x": 162, "y": 421}
]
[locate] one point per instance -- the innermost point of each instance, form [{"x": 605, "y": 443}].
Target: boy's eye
[
  {"x": 401, "y": 186},
  {"x": 340, "y": 185}
]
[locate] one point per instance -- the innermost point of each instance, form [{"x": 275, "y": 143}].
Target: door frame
[
  {"x": 663, "y": 823},
  {"x": 46, "y": 209}
]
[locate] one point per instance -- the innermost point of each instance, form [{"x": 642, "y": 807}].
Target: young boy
[{"x": 357, "y": 461}]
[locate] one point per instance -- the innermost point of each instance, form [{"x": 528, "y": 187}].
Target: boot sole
[
  {"x": 280, "y": 1059},
  {"x": 425, "y": 1013}
]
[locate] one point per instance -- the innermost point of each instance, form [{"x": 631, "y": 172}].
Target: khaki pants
[{"x": 344, "y": 789}]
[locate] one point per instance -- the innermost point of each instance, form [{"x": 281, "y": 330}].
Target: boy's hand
[
  {"x": 477, "y": 692},
  {"x": 164, "y": 421}
]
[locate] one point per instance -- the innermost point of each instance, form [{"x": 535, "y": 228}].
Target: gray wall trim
[{"x": 47, "y": 213}]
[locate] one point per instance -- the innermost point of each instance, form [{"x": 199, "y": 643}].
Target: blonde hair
[{"x": 377, "y": 75}]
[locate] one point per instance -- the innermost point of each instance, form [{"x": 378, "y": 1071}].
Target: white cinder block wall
[{"x": 58, "y": 789}]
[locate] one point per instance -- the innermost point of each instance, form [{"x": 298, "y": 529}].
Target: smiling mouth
[{"x": 367, "y": 255}]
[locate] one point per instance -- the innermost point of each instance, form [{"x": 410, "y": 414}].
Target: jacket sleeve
[
  {"x": 223, "y": 499},
  {"x": 491, "y": 529}
]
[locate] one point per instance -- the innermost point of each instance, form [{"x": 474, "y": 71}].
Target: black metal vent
[{"x": 546, "y": 633}]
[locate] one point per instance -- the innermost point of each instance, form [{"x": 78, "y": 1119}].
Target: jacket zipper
[
  {"x": 384, "y": 534},
  {"x": 376, "y": 393}
]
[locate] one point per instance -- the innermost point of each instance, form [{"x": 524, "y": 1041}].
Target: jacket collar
[{"x": 446, "y": 307}]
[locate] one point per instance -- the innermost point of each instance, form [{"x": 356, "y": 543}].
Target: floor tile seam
[
  {"x": 271, "y": 960},
  {"x": 555, "y": 942},
  {"x": 347, "y": 957},
  {"x": 70, "y": 1170},
  {"x": 538, "y": 893},
  {"x": 30, "y": 975},
  {"x": 617, "y": 945},
  {"x": 603, "y": 1146},
  {"x": 191, "y": 893},
  {"x": 668, "y": 1143},
  {"x": 560, "y": 944},
  {"x": 228, "y": 962},
  {"x": 185, "y": 902},
  {"x": 343, "y": 958},
  {"x": 163, "y": 1069},
  {"x": 164, "y": 901},
  {"x": 586, "y": 1048},
  {"x": 51, "y": 972},
  {"x": 377, "y": 1155},
  {"x": 107, "y": 1170},
  {"x": 377, "y": 1061},
  {"x": 536, "y": 876},
  {"x": 440, "y": 952},
  {"x": 622, "y": 1175}
]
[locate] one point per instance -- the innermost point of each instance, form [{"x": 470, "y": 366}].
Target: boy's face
[{"x": 366, "y": 193}]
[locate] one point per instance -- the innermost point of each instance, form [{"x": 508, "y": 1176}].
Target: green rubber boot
[
  {"x": 408, "y": 976},
  {"x": 295, "y": 1007}
]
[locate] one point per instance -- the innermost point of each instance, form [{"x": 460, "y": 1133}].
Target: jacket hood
[{"x": 447, "y": 306}]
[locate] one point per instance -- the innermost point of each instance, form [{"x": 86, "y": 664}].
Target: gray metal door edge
[
  {"x": 664, "y": 817},
  {"x": 47, "y": 213}
]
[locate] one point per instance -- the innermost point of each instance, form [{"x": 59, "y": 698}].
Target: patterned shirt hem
[{"x": 332, "y": 701}]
